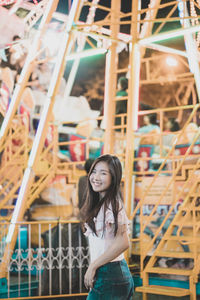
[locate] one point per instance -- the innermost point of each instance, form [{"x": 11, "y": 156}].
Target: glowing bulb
[
  {"x": 180, "y": 6},
  {"x": 171, "y": 61}
]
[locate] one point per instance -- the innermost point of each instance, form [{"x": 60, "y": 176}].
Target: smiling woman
[{"x": 107, "y": 228}]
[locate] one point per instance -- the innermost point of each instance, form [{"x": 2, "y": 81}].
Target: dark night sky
[
  {"x": 125, "y": 7},
  {"x": 125, "y": 4}
]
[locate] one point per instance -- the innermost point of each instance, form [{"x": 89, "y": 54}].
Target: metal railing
[{"x": 50, "y": 258}]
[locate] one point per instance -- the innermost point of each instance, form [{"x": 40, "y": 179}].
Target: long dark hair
[{"x": 93, "y": 203}]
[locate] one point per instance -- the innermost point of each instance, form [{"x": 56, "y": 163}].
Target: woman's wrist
[{"x": 95, "y": 265}]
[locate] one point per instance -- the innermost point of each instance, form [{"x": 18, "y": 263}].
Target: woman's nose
[{"x": 96, "y": 176}]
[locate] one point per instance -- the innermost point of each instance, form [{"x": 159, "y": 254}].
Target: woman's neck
[{"x": 101, "y": 195}]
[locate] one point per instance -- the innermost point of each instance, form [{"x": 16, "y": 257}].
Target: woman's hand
[{"x": 89, "y": 276}]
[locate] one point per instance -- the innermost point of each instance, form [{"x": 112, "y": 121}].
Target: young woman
[{"x": 106, "y": 226}]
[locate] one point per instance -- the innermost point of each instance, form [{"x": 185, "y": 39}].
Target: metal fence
[{"x": 48, "y": 259}]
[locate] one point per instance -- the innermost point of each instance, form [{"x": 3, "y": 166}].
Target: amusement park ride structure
[{"x": 32, "y": 165}]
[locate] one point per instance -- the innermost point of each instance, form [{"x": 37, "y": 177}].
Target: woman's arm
[{"x": 118, "y": 246}]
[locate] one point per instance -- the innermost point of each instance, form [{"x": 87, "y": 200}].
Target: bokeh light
[{"x": 171, "y": 61}]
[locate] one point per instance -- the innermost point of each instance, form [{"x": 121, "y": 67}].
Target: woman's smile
[{"x": 100, "y": 178}]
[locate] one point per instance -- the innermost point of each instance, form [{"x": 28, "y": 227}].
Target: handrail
[
  {"x": 170, "y": 210},
  {"x": 165, "y": 160},
  {"x": 144, "y": 222}
]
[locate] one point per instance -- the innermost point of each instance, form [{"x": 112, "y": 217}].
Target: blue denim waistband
[
  {"x": 116, "y": 272},
  {"x": 118, "y": 262},
  {"x": 112, "y": 265}
]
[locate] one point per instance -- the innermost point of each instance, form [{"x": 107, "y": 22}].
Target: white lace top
[{"x": 100, "y": 242}]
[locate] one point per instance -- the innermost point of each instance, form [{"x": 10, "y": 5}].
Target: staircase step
[
  {"x": 175, "y": 254},
  {"x": 163, "y": 290},
  {"x": 171, "y": 271},
  {"x": 187, "y": 224},
  {"x": 185, "y": 238}
]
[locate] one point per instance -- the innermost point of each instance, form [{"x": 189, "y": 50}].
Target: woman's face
[{"x": 100, "y": 178}]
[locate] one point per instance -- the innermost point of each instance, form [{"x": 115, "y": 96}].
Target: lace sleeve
[{"x": 122, "y": 218}]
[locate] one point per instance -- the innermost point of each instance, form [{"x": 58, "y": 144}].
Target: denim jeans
[{"x": 113, "y": 281}]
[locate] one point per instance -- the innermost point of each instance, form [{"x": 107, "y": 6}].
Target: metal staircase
[
  {"x": 14, "y": 156},
  {"x": 184, "y": 231},
  {"x": 176, "y": 236}
]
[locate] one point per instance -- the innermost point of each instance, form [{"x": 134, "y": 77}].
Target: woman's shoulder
[{"x": 121, "y": 217}]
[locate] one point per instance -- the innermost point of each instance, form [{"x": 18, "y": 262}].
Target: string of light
[
  {"x": 89, "y": 21},
  {"x": 8, "y": 2},
  {"x": 194, "y": 19},
  {"x": 193, "y": 13}
]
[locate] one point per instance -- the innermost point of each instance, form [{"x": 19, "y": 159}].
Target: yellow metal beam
[{"x": 111, "y": 79}]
